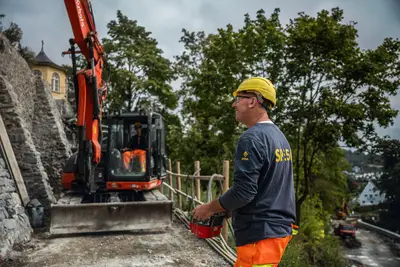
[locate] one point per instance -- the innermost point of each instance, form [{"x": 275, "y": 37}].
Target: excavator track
[{"x": 71, "y": 216}]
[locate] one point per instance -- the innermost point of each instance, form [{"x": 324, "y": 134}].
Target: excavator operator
[{"x": 134, "y": 155}]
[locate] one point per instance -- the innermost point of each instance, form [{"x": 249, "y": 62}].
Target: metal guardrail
[{"x": 378, "y": 230}]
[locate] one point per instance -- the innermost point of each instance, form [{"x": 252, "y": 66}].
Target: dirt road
[{"x": 177, "y": 247}]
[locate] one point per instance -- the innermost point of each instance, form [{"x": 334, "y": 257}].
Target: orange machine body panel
[
  {"x": 68, "y": 178},
  {"x": 133, "y": 185}
]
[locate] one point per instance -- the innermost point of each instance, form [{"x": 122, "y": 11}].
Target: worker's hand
[{"x": 202, "y": 212}]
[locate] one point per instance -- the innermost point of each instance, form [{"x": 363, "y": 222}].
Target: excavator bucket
[{"x": 155, "y": 213}]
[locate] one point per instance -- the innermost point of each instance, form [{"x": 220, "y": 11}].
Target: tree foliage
[
  {"x": 389, "y": 182},
  {"x": 314, "y": 245},
  {"x": 328, "y": 89},
  {"x": 329, "y": 182},
  {"x": 138, "y": 70},
  {"x": 14, "y": 34}
]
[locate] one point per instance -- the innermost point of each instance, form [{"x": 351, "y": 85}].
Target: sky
[{"x": 47, "y": 20}]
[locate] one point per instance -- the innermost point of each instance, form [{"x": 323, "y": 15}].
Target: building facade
[
  {"x": 54, "y": 74},
  {"x": 61, "y": 90},
  {"x": 371, "y": 195}
]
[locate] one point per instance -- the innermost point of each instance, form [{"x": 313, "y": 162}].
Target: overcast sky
[{"x": 47, "y": 20}]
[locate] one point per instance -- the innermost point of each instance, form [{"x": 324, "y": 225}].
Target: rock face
[
  {"x": 49, "y": 135},
  {"x": 14, "y": 223},
  {"x": 33, "y": 124}
]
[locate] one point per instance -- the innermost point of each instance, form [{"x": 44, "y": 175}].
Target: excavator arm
[
  {"x": 83, "y": 27},
  {"x": 90, "y": 90}
]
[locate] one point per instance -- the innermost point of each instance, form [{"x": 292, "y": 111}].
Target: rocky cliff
[
  {"x": 33, "y": 124},
  {"x": 14, "y": 222}
]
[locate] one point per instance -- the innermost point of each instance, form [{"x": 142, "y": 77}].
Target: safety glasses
[{"x": 239, "y": 97}]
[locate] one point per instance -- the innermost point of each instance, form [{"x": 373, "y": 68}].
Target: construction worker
[
  {"x": 261, "y": 199},
  {"x": 134, "y": 151}
]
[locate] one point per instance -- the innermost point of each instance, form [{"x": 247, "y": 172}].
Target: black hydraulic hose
[
  {"x": 74, "y": 70},
  {"x": 96, "y": 105}
]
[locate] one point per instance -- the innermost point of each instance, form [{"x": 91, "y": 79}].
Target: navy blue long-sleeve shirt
[{"x": 261, "y": 198}]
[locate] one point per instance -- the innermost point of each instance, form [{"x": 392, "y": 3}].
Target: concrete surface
[{"x": 178, "y": 248}]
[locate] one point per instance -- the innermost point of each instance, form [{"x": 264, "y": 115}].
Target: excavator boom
[
  {"x": 83, "y": 25},
  {"x": 90, "y": 89}
]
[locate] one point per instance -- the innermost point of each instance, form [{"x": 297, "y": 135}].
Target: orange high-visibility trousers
[
  {"x": 137, "y": 153},
  {"x": 264, "y": 253}
]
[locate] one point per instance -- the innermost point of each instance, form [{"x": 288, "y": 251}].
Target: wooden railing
[{"x": 174, "y": 186}]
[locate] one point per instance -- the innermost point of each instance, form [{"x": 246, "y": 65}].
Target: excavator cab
[
  {"x": 132, "y": 168},
  {"x": 135, "y": 153}
]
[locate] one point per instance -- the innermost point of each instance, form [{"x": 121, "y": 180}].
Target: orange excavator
[
  {"x": 111, "y": 182},
  {"x": 343, "y": 211}
]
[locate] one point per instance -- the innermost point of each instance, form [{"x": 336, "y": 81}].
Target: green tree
[
  {"x": 328, "y": 89},
  {"x": 328, "y": 181},
  {"x": 1, "y": 22},
  {"x": 14, "y": 35},
  {"x": 210, "y": 67},
  {"x": 336, "y": 91},
  {"x": 389, "y": 182},
  {"x": 139, "y": 73}
]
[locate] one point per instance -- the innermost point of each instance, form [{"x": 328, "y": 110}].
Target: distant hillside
[{"x": 364, "y": 161}]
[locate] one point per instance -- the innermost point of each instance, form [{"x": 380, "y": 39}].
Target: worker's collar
[{"x": 266, "y": 122}]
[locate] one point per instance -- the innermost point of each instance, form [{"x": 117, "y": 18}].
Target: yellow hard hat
[{"x": 261, "y": 85}]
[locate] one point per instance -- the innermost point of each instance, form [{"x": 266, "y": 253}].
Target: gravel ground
[{"x": 176, "y": 247}]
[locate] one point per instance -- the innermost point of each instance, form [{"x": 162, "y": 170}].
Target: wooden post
[
  {"x": 162, "y": 187},
  {"x": 225, "y": 188},
  {"x": 171, "y": 193},
  {"x": 11, "y": 162},
  {"x": 178, "y": 183},
  {"x": 196, "y": 168}
]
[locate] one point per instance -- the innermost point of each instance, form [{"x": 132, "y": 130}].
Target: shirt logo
[
  {"x": 283, "y": 154},
  {"x": 245, "y": 154}
]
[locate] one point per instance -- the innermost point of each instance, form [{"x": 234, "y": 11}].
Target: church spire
[{"x": 42, "y": 58}]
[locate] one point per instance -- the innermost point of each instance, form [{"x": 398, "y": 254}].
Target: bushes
[
  {"x": 314, "y": 246},
  {"x": 327, "y": 253},
  {"x": 295, "y": 255},
  {"x": 300, "y": 253}
]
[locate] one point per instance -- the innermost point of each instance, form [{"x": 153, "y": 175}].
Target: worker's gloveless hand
[{"x": 202, "y": 212}]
